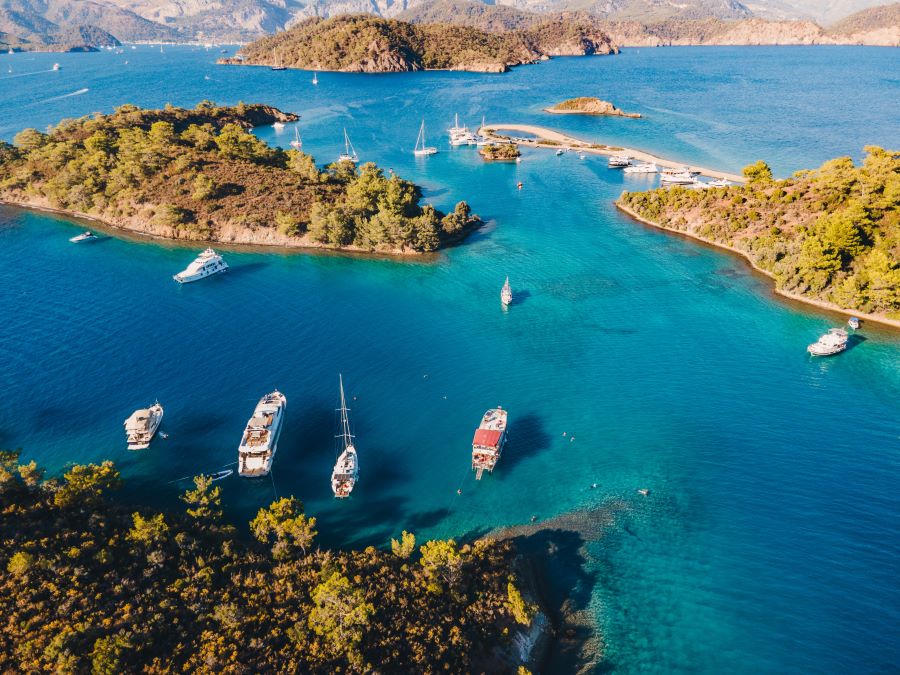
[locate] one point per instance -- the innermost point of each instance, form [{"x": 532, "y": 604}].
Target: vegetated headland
[
  {"x": 829, "y": 237},
  {"x": 199, "y": 175},
  {"x": 548, "y": 138},
  {"x": 588, "y": 105},
  {"x": 364, "y": 43},
  {"x": 89, "y": 583}
]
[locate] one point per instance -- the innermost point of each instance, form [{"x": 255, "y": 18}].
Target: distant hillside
[
  {"x": 641, "y": 10},
  {"x": 492, "y": 18},
  {"x": 823, "y": 12},
  {"x": 868, "y": 20},
  {"x": 54, "y": 22},
  {"x": 363, "y": 43}
]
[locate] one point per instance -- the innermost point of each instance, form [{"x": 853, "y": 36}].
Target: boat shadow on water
[
  {"x": 528, "y": 437},
  {"x": 520, "y": 297},
  {"x": 243, "y": 270}
]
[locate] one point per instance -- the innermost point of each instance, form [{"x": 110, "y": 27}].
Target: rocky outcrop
[{"x": 588, "y": 105}]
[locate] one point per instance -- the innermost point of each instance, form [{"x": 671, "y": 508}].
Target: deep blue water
[{"x": 769, "y": 541}]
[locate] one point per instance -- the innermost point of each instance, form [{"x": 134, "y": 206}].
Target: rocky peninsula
[
  {"x": 367, "y": 44},
  {"x": 828, "y": 237},
  {"x": 588, "y": 105},
  {"x": 199, "y": 175}
]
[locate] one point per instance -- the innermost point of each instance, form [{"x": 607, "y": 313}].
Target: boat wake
[{"x": 79, "y": 92}]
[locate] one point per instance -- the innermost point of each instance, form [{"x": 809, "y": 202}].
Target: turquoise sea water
[{"x": 769, "y": 541}]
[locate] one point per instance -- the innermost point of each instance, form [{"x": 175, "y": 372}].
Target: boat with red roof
[{"x": 489, "y": 440}]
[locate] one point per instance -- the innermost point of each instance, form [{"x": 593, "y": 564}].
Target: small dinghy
[
  {"x": 853, "y": 322},
  {"x": 84, "y": 236},
  {"x": 219, "y": 475}
]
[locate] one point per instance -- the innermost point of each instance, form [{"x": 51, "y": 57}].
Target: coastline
[
  {"x": 558, "y": 138},
  {"x": 821, "y": 304},
  {"x": 142, "y": 235}
]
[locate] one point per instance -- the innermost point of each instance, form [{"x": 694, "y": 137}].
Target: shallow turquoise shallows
[{"x": 770, "y": 538}]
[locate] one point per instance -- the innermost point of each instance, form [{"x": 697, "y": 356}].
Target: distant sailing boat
[
  {"x": 349, "y": 154},
  {"x": 315, "y": 77},
  {"x": 297, "y": 144},
  {"x": 421, "y": 148},
  {"x": 506, "y": 293},
  {"x": 346, "y": 469},
  {"x": 277, "y": 65}
]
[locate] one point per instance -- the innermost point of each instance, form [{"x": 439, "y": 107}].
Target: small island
[
  {"x": 200, "y": 175},
  {"x": 500, "y": 152},
  {"x": 588, "y": 105},
  {"x": 830, "y": 237},
  {"x": 360, "y": 43}
]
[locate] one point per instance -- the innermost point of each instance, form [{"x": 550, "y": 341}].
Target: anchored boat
[
  {"x": 84, "y": 236},
  {"x": 833, "y": 342},
  {"x": 490, "y": 437},
  {"x": 204, "y": 265},
  {"x": 346, "y": 468},
  {"x": 506, "y": 295},
  {"x": 349, "y": 154},
  {"x": 619, "y": 161},
  {"x": 260, "y": 440},
  {"x": 142, "y": 426},
  {"x": 642, "y": 168},
  {"x": 297, "y": 143},
  {"x": 421, "y": 149}
]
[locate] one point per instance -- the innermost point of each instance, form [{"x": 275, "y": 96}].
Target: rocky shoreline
[
  {"x": 821, "y": 304},
  {"x": 269, "y": 238}
]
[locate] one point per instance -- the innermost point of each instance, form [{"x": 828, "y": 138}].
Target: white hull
[
  {"x": 181, "y": 279},
  {"x": 345, "y": 473},
  {"x": 425, "y": 151},
  {"x": 82, "y": 237},
  {"x": 207, "y": 264},
  {"x": 141, "y": 440},
  {"x": 259, "y": 443}
]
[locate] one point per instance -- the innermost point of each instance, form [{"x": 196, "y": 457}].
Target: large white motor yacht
[
  {"x": 260, "y": 440},
  {"x": 677, "y": 176},
  {"x": 642, "y": 168},
  {"x": 142, "y": 426},
  {"x": 833, "y": 342},
  {"x": 205, "y": 265}
]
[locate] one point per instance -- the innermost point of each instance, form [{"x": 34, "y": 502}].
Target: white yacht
[
  {"x": 833, "y": 342},
  {"x": 278, "y": 126},
  {"x": 349, "y": 154},
  {"x": 677, "y": 176},
  {"x": 84, "y": 236},
  {"x": 142, "y": 426},
  {"x": 315, "y": 79},
  {"x": 205, "y": 265},
  {"x": 720, "y": 182},
  {"x": 346, "y": 468},
  {"x": 297, "y": 143},
  {"x": 506, "y": 295},
  {"x": 461, "y": 135},
  {"x": 644, "y": 167},
  {"x": 619, "y": 161},
  {"x": 260, "y": 440},
  {"x": 421, "y": 149}
]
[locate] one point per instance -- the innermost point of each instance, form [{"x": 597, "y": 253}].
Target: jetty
[{"x": 554, "y": 140}]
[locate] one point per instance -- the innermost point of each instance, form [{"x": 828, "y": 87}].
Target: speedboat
[
  {"x": 205, "y": 265},
  {"x": 506, "y": 295},
  {"x": 619, "y": 161},
  {"x": 853, "y": 322},
  {"x": 720, "y": 182},
  {"x": 642, "y": 168},
  {"x": 56, "y": 66},
  {"x": 219, "y": 475},
  {"x": 833, "y": 342},
  {"x": 560, "y": 152},
  {"x": 84, "y": 236}
]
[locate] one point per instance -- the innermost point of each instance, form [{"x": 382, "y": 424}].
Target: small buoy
[
  {"x": 519, "y": 185},
  {"x": 163, "y": 434},
  {"x": 445, "y": 398},
  {"x": 571, "y": 439},
  {"x": 425, "y": 376},
  {"x": 459, "y": 492},
  {"x": 564, "y": 433},
  {"x": 593, "y": 486},
  {"x": 354, "y": 398}
]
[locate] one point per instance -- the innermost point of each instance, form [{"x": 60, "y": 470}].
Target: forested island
[
  {"x": 500, "y": 152},
  {"x": 830, "y": 236},
  {"x": 88, "y": 584},
  {"x": 200, "y": 175},
  {"x": 364, "y": 43},
  {"x": 588, "y": 105}
]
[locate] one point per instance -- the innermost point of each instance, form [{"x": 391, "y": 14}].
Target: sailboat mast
[{"x": 345, "y": 420}]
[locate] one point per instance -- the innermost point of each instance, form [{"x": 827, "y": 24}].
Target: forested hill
[
  {"x": 200, "y": 175},
  {"x": 364, "y": 43},
  {"x": 90, "y": 586},
  {"x": 831, "y": 234}
]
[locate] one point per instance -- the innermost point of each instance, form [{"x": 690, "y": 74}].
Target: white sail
[{"x": 421, "y": 148}]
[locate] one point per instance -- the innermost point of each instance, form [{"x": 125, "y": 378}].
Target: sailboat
[
  {"x": 297, "y": 144},
  {"x": 346, "y": 468},
  {"x": 277, "y": 65},
  {"x": 421, "y": 148},
  {"x": 506, "y": 293},
  {"x": 315, "y": 77},
  {"x": 349, "y": 154}
]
